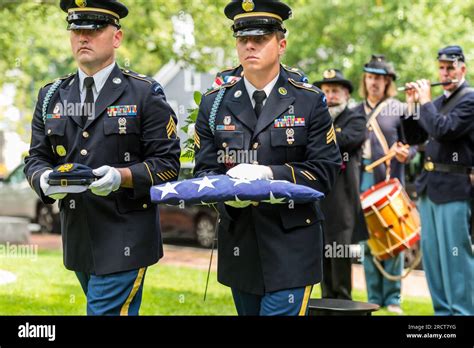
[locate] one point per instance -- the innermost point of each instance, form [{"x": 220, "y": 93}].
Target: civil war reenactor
[
  {"x": 269, "y": 255},
  {"x": 385, "y": 135},
  {"x": 339, "y": 227},
  {"x": 118, "y": 123},
  {"x": 446, "y": 185}
]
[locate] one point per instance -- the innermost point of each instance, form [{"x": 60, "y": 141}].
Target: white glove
[
  {"x": 110, "y": 181},
  {"x": 251, "y": 172},
  {"x": 45, "y": 186}
]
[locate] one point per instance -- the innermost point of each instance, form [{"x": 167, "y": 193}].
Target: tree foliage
[{"x": 34, "y": 45}]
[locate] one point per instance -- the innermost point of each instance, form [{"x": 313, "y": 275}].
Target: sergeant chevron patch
[
  {"x": 171, "y": 129},
  {"x": 331, "y": 136},
  {"x": 197, "y": 140}
]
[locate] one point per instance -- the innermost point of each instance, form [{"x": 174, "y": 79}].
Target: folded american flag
[{"x": 222, "y": 188}]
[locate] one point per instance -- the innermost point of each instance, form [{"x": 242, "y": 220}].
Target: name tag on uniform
[
  {"x": 53, "y": 116},
  {"x": 122, "y": 111},
  {"x": 290, "y": 121},
  {"x": 226, "y": 128}
]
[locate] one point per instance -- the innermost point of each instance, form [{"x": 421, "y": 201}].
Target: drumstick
[
  {"x": 386, "y": 158},
  {"x": 378, "y": 162}
]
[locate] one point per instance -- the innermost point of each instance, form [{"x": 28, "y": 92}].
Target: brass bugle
[{"x": 434, "y": 84}]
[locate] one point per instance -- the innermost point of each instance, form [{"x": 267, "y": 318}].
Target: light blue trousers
[{"x": 448, "y": 259}]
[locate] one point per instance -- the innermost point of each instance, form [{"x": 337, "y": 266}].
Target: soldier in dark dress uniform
[
  {"x": 270, "y": 255},
  {"x": 118, "y": 123}
]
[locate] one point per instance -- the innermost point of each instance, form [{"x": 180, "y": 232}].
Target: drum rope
[{"x": 408, "y": 270}]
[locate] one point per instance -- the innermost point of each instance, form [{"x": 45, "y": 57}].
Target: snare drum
[{"x": 392, "y": 219}]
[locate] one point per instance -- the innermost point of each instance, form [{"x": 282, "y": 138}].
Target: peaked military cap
[
  {"x": 257, "y": 17},
  {"x": 379, "y": 66},
  {"x": 93, "y": 14},
  {"x": 70, "y": 178}
]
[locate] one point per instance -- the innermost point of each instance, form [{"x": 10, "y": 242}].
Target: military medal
[
  {"x": 227, "y": 120},
  {"x": 290, "y": 136},
  {"x": 122, "y": 125}
]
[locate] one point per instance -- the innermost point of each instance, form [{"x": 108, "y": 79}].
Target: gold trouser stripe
[
  {"x": 149, "y": 173},
  {"x": 304, "y": 304},
  {"x": 136, "y": 286},
  {"x": 292, "y": 172}
]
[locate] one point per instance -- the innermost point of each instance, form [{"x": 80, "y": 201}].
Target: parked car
[
  {"x": 196, "y": 223},
  {"x": 19, "y": 200}
]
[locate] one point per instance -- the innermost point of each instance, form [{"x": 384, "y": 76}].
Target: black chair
[{"x": 333, "y": 307}]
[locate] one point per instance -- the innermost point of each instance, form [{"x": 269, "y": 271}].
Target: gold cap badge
[
  {"x": 329, "y": 74},
  {"x": 81, "y": 3},
  {"x": 248, "y": 5},
  {"x": 65, "y": 168}
]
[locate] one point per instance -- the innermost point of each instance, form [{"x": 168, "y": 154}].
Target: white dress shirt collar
[
  {"x": 99, "y": 79},
  {"x": 268, "y": 89}
]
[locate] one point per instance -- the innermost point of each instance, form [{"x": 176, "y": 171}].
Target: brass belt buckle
[{"x": 63, "y": 182}]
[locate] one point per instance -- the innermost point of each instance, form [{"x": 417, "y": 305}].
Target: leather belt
[{"x": 448, "y": 168}]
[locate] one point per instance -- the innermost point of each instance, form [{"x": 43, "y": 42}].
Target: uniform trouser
[
  {"x": 291, "y": 302},
  {"x": 337, "y": 278},
  {"x": 113, "y": 294},
  {"x": 448, "y": 258},
  {"x": 380, "y": 290}
]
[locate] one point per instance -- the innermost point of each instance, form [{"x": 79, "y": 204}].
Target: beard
[{"x": 336, "y": 110}]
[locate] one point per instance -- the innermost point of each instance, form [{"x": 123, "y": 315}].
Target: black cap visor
[
  {"x": 257, "y": 27},
  {"x": 90, "y": 21}
]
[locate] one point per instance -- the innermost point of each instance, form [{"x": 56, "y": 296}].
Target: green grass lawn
[{"x": 45, "y": 287}]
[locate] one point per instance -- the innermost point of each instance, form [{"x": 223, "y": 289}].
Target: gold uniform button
[
  {"x": 145, "y": 206},
  {"x": 224, "y": 145},
  {"x": 84, "y": 152},
  {"x": 85, "y": 134},
  {"x": 308, "y": 221},
  {"x": 49, "y": 131},
  {"x": 255, "y": 146},
  {"x": 429, "y": 166}
]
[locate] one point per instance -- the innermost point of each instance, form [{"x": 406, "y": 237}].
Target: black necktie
[
  {"x": 87, "y": 107},
  {"x": 259, "y": 97}
]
